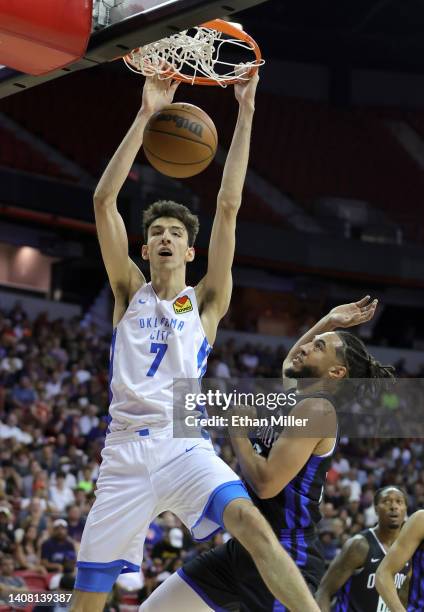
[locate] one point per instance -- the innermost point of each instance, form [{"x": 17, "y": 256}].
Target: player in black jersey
[
  {"x": 285, "y": 476},
  {"x": 351, "y": 576},
  {"x": 409, "y": 545}
]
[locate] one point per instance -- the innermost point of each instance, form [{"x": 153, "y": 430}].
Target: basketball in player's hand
[{"x": 180, "y": 140}]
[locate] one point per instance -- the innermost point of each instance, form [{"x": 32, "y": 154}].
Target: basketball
[{"x": 180, "y": 140}]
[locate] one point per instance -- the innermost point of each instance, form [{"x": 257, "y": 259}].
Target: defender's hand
[
  {"x": 157, "y": 93},
  {"x": 245, "y": 91},
  {"x": 349, "y": 315}
]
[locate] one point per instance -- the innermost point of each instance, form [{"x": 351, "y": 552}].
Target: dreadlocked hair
[{"x": 359, "y": 363}]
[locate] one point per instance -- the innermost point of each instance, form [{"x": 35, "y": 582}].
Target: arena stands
[{"x": 53, "y": 410}]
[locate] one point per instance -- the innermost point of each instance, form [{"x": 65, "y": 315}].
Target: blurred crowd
[{"x": 53, "y": 420}]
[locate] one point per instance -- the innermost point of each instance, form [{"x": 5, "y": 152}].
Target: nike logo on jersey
[
  {"x": 142, "y": 301},
  {"x": 375, "y": 560},
  {"x": 191, "y": 448}
]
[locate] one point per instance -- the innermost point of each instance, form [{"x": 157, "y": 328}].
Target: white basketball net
[{"x": 200, "y": 52}]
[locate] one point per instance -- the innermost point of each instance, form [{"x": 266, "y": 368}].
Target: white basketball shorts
[{"x": 143, "y": 474}]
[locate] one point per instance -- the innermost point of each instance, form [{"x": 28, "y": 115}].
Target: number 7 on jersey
[{"x": 160, "y": 349}]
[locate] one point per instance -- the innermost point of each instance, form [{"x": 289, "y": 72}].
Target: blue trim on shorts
[
  {"x": 222, "y": 497},
  {"x": 100, "y": 577},
  {"x": 217, "y": 502},
  {"x": 181, "y": 573}
]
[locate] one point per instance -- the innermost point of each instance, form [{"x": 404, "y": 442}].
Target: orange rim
[{"x": 227, "y": 28}]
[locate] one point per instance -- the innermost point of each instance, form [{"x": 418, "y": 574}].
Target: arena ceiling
[{"x": 379, "y": 34}]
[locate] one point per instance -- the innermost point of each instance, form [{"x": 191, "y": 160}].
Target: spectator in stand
[
  {"x": 89, "y": 420},
  {"x": 351, "y": 481},
  {"x": 75, "y": 523},
  {"x": 48, "y": 458},
  {"x": 7, "y": 536},
  {"x": 33, "y": 514},
  {"x": 11, "y": 363},
  {"x": 11, "y": 430},
  {"x": 86, "y": 480},
  {"x": 23, "y": 394},
  {"x": 27, "y": 553},
  {"x": 329, "y": 543},
  {"x": 340, "y": 464},
  {"x": 9, "y": 584},
  {"x": 55, "y": 548},
  {"x": 60, "y": 495},
  {"x": 53, "y": 386},
  {"x": 65, "y": 579},
  {"x": 249, "y": 359},
  {"x": 217, "y": 367},
  {"x": 169, "y": 548}
]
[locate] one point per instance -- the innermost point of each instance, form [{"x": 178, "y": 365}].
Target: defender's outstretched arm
[{"x": 345, "y": 315}]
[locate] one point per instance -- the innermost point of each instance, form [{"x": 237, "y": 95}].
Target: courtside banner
[{"x": 358, "y": 408}]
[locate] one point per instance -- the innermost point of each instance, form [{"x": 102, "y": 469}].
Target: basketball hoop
[{"x": 194, "y": 56}]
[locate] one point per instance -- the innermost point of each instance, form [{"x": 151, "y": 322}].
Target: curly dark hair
[{"x": 168, "y": 208}]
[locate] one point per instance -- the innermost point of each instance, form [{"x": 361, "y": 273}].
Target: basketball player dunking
[
  {"x": 285, "y": 475},
  {"x": 409, "y": 545},
  {"x": 164, "y": 329},
  {"x": 351, "y": 576}
]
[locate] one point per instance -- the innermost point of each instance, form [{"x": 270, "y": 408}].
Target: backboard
[{"x": 121, "y": 25}]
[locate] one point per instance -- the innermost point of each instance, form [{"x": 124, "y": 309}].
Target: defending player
[
  {"x": 285, "y": 475},
  {"x": 351, "y": 575},
  {"x": 164, "y": 329},
  {"x": 409, "y": 545}
]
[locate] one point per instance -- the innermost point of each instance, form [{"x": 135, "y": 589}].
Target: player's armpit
[
  {"x": 213, "y": 305},
  {"x": 351, "y": 557}
]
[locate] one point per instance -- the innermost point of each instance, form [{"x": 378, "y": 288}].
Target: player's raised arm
[
  {"x": 352, "y": 557},
  {"x": 345, "y": 315},
  {"x": 399, "y": 554},
  {"x": 110, "y": 226},
  {"x": 214, "y": 291}
]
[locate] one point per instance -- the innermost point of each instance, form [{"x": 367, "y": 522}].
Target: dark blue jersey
[
  {"x": 416, "y": 587},
  {"x": 226, "y": 576},
  {"x": 359, "y": 594},
  {"x": 294, "y": 511}
]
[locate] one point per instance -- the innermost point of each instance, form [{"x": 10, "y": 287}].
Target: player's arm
[
  {"x": 345, "y": 315},
  {"x": 351, "y": 557},
  {"x": 404, "y": 590},
  {"x": 214, "y": 290},
  {"x": 269, "y": 475},
  {"x": 109, "y": 223},
  {"x": 400, "y": 552}
]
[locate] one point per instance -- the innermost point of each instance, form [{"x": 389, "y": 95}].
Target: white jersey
[{"x": 154, "y": 342}]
